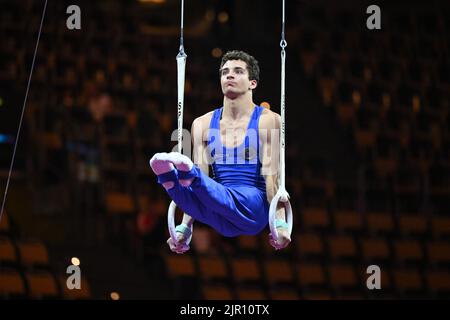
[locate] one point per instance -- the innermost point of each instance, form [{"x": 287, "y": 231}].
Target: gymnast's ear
[{"x": 253, "y": 84}]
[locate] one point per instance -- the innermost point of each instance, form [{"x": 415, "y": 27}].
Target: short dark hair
[{"x": 252, "y": 63}]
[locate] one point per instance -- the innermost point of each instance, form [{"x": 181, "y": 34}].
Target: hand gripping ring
[
  {"x": 282, "y": 196},
  {"x": 171, "y": 224}
]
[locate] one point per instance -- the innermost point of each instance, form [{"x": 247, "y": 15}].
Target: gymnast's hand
[
  {"x": 179, "y": 246},
  {"x": 284, "y": 238}
]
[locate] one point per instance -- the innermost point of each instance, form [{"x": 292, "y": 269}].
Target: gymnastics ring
[
  {"x": 281, "y": 196},
  {"x": 171, "y": 224}
]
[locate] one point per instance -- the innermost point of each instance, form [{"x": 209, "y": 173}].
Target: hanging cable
[
  {"x": 181, "y": 72},
  {"x": 5, "y": 195},
  {"x": 282, "y": 195}
]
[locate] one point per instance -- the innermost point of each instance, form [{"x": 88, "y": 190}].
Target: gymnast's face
[{"x": 234, "y": 79}]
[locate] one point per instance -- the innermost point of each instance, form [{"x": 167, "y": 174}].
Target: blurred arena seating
[{"x": 103, "y": 102}]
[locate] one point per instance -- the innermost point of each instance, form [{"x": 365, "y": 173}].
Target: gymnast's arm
[
  {"x": 270, "y": 122},
  {"x": 198, "y": 132}
]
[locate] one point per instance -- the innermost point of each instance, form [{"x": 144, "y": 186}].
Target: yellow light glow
[
  {"x": 75, "y": 261},
  {"x": 265, "y": 104},
  {"x": 115, "y": 296},
  {"x": 416, "y": 104},
  {"x": 216, "y": 52},
  {"x": 356, "y": 97},
  {"x": 152, "y": 1},
  {"x": 223, "y": 17}
]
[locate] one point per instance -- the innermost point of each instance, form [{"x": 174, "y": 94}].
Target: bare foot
[
  {"x": 183, "y": 163},
  {"x": 161, "y": 164}
]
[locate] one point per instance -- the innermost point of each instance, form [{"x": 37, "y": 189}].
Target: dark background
[{"x": 368, "y": 132}]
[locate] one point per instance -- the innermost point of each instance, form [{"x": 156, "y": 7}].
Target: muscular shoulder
[
  {"x": 203, "y": 120},
  {"x": 269, "y": 120},
  {"x": 201, "y": 124}
]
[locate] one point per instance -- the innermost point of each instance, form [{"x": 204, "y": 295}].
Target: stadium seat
[
  {"x": 216, "y": 292},
  {"x": 309, "y": 245},
  {"x": 33, "y": 254},
  {"x": 42, "y": 285},
  {"x": 278, "y": 272},
  {"x": 11, "y": 284},
  {"x": 179, "y": 265},
  {"x": 246, "y": 270},
  {"x": 213, "y": 268},
  {"x": 342, "y": 247}
]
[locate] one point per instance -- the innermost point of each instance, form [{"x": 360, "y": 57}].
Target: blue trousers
[{"x": 230, "y": 210}]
